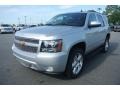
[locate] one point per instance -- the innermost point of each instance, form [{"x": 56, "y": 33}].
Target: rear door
[{"x": 102, "y": 29}]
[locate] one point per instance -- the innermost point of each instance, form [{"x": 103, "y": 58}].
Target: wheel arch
[{"x": 77, "y": 45}]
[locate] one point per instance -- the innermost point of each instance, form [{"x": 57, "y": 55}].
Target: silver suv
[{"x": 61, "y": 44}]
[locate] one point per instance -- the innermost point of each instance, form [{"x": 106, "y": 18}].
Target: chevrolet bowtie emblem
[{"x": 22, "y": 43}]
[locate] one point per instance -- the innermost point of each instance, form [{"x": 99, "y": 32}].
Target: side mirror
[{"x": 94, "y": 24}]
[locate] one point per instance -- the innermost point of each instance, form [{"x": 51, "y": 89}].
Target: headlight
[{"x": 51, "y": 46}]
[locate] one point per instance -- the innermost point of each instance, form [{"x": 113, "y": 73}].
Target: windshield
[
  {"x": 6, "y": 25},
  {"x": 71, "y": 19}
]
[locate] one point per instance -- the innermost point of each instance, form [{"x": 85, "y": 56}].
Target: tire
[
  {"x": 106, "y": 45},
  {"x": 75, "y": 63}
]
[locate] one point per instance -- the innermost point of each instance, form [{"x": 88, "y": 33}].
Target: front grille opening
[
  {"x": 26, "y": 48},
  {"x": 27, "y": 40}
]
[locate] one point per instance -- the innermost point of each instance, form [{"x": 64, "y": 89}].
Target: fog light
[{"x": 49, "y": 69}]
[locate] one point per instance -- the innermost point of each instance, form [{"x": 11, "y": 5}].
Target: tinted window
[
  {"x": 100, "y": 19},
  {"x": 92, "y": 17},
  {"x": 70, "y": 19}
]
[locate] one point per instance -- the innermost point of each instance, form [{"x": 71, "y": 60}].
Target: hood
[{"x": 49, "y": 30}]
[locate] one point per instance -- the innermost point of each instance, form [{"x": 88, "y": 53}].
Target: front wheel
[{"x": 75, "y": 63}]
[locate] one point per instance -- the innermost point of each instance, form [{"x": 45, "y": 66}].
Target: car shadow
[
  {"x": 90, "y": 62},
  {"x": 96, "y": 58}
]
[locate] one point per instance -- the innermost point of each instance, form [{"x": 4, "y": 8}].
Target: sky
[{"x": 35, "y": 14}]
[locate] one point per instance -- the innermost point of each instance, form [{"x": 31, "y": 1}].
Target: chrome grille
[
  {"x": 27, "y": 39},
  {"x": 7, "y": 28},
  {"x": 26, "y": 44}
]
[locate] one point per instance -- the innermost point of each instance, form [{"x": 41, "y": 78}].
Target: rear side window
[
  {"x": 100, "y": 19},
  {"x": 92, "y": 17}
]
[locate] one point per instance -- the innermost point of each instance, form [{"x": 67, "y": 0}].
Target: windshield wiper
[{"x": 65, "y": 24}]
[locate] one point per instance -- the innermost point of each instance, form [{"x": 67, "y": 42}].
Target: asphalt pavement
[{"x": 100, "y": 68}]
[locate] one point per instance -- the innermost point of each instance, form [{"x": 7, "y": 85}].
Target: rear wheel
[
  {"x": 75, "y": 63},
  {"x": 106, "y": 45}
]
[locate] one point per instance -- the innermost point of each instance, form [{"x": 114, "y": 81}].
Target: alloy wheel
[{"x": 77, "y": 63}]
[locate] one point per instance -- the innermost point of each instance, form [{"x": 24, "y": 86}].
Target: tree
[{"x": 113, "y": 12}]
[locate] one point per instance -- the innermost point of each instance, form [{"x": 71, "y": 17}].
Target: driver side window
[
  {"x": 92, "y": 17},
  {"x": 58, "y": 19}
]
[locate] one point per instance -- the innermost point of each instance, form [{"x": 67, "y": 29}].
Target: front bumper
[{"x": 48, "y": 62}]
